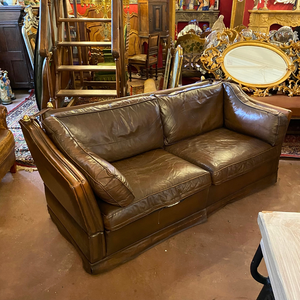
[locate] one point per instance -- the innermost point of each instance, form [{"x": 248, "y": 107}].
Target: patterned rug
[
  {"x": 27, "y": 107},
  {"x": 291, "y": 146}
]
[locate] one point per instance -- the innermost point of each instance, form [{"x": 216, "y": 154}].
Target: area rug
[
  {"x": 27, "y": 107},
  {"x": 291, "y": 146}
]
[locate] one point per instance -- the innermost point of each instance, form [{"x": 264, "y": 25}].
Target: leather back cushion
[
  {"x": 92, "y": 136},
  {"x": 191, "y": 112},
  {"x": 115, "y": 131}
]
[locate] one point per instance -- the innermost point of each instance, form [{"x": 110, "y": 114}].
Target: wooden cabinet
[
  {"x": 13, "y": 55},
  {"x": 153, "y": 17}
]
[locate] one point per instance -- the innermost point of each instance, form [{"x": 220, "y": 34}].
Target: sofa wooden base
[
  {"x": 134, "y": 250},
  {"x": 248, "y": 190}
]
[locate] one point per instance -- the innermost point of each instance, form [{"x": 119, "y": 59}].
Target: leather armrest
[
  {"x": 3, "y": 114},
  {"x": 64, "y": 181},
  {"x": 285, "y": 111},
  {"x": 243, "y": 114}
]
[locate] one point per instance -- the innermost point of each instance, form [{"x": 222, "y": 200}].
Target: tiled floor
[{"x": 209, "y": 261}]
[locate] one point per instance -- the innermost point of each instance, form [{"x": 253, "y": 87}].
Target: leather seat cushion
[
  {"x": 7, "y": 144},
  {"x": 158, "y": 179},
  {"x": 224, "y": 153},
  {"x": 191, "y": 112}
]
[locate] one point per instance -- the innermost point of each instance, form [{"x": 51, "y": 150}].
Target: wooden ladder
[{"x": 70, "y": 79}]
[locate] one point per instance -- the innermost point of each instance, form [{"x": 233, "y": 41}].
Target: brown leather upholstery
[
  {"x": 172, "y": 180},
  {"x": 221, "y": 146},
  {"x": 113, "y": 132},
  {"x": 127, "y": 130},
  {"x": 187, "y": 114},
  {"x": 224, "y": 153},
  {"x": 7, "y": 145},
  {"x": 242, "y": 115}
]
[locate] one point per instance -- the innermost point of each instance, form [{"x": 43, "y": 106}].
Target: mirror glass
[{"x": 254, "y": 65}]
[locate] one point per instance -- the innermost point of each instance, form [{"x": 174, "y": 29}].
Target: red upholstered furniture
[{"x": 122, "y": 176}]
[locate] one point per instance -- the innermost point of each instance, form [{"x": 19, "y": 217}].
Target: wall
[
  {"x": 225, "y": 7},
  {"x": 271, "y": 6}
]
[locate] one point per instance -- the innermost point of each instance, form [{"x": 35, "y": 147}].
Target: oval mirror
[{"x": 256, "y": 64}]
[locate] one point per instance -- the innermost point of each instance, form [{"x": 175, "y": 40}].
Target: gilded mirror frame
[
  {"x": 220, "y": 43},
  {"x": 275, "y": 49},
  {"x": 29, "y": 31}
]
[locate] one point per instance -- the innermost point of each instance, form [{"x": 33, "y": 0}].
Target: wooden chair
[
  {"x": 146, "y": 60},
  {"x": 193, "y": 47}
]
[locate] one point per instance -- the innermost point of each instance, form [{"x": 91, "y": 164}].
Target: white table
[{"x": 280, "y": 247}]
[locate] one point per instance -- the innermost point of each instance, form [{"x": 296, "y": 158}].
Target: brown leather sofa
[
  {"x": 123, "y": 176},
  {"x": 7, "y": 146}
]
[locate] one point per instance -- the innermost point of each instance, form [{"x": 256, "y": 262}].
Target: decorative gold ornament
[
  {"x": 49, "y": 105},
  {"x": 26, "y": 118},
  {"x": 256, "y": 61}
]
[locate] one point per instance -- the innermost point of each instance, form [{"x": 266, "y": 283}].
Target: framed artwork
[
  {"x": 216, "y": 6},
  {"x": 237, "y": 13},
  {"x": 167, "y": 70}
]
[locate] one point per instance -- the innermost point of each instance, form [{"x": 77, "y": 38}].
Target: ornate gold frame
[
  {"x": 237, "y": 13},
  {"x": 29, "y": 31},
  {"x": 289, "y": 64},
  {"x": 213, "y": 57},
  {"x": 176, "y": 68}
]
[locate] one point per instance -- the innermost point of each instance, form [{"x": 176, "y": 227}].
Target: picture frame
[
  {"x": 237, "y": 13},
  {"x": 217, "y": 5}
]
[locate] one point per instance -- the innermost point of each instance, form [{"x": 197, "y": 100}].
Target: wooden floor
[{"x": 206, "y": 262}]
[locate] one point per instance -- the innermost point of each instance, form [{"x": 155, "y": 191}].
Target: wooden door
[{"x": 13, "y": 55}]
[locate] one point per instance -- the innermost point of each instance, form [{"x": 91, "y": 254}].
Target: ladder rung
[
  {"x": 87, "y": 93},
  {"x": 86, "y": 68},
  {"x": 85, "y": 44},
  {"x": 100, "y": 82},
  {"x": 84, "y": 20}
]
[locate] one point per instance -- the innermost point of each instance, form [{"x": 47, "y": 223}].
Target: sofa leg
[{"x": 13, "y": 169}]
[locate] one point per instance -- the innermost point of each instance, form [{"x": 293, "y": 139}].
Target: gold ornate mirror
[{"x": 256, "y": 64}]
